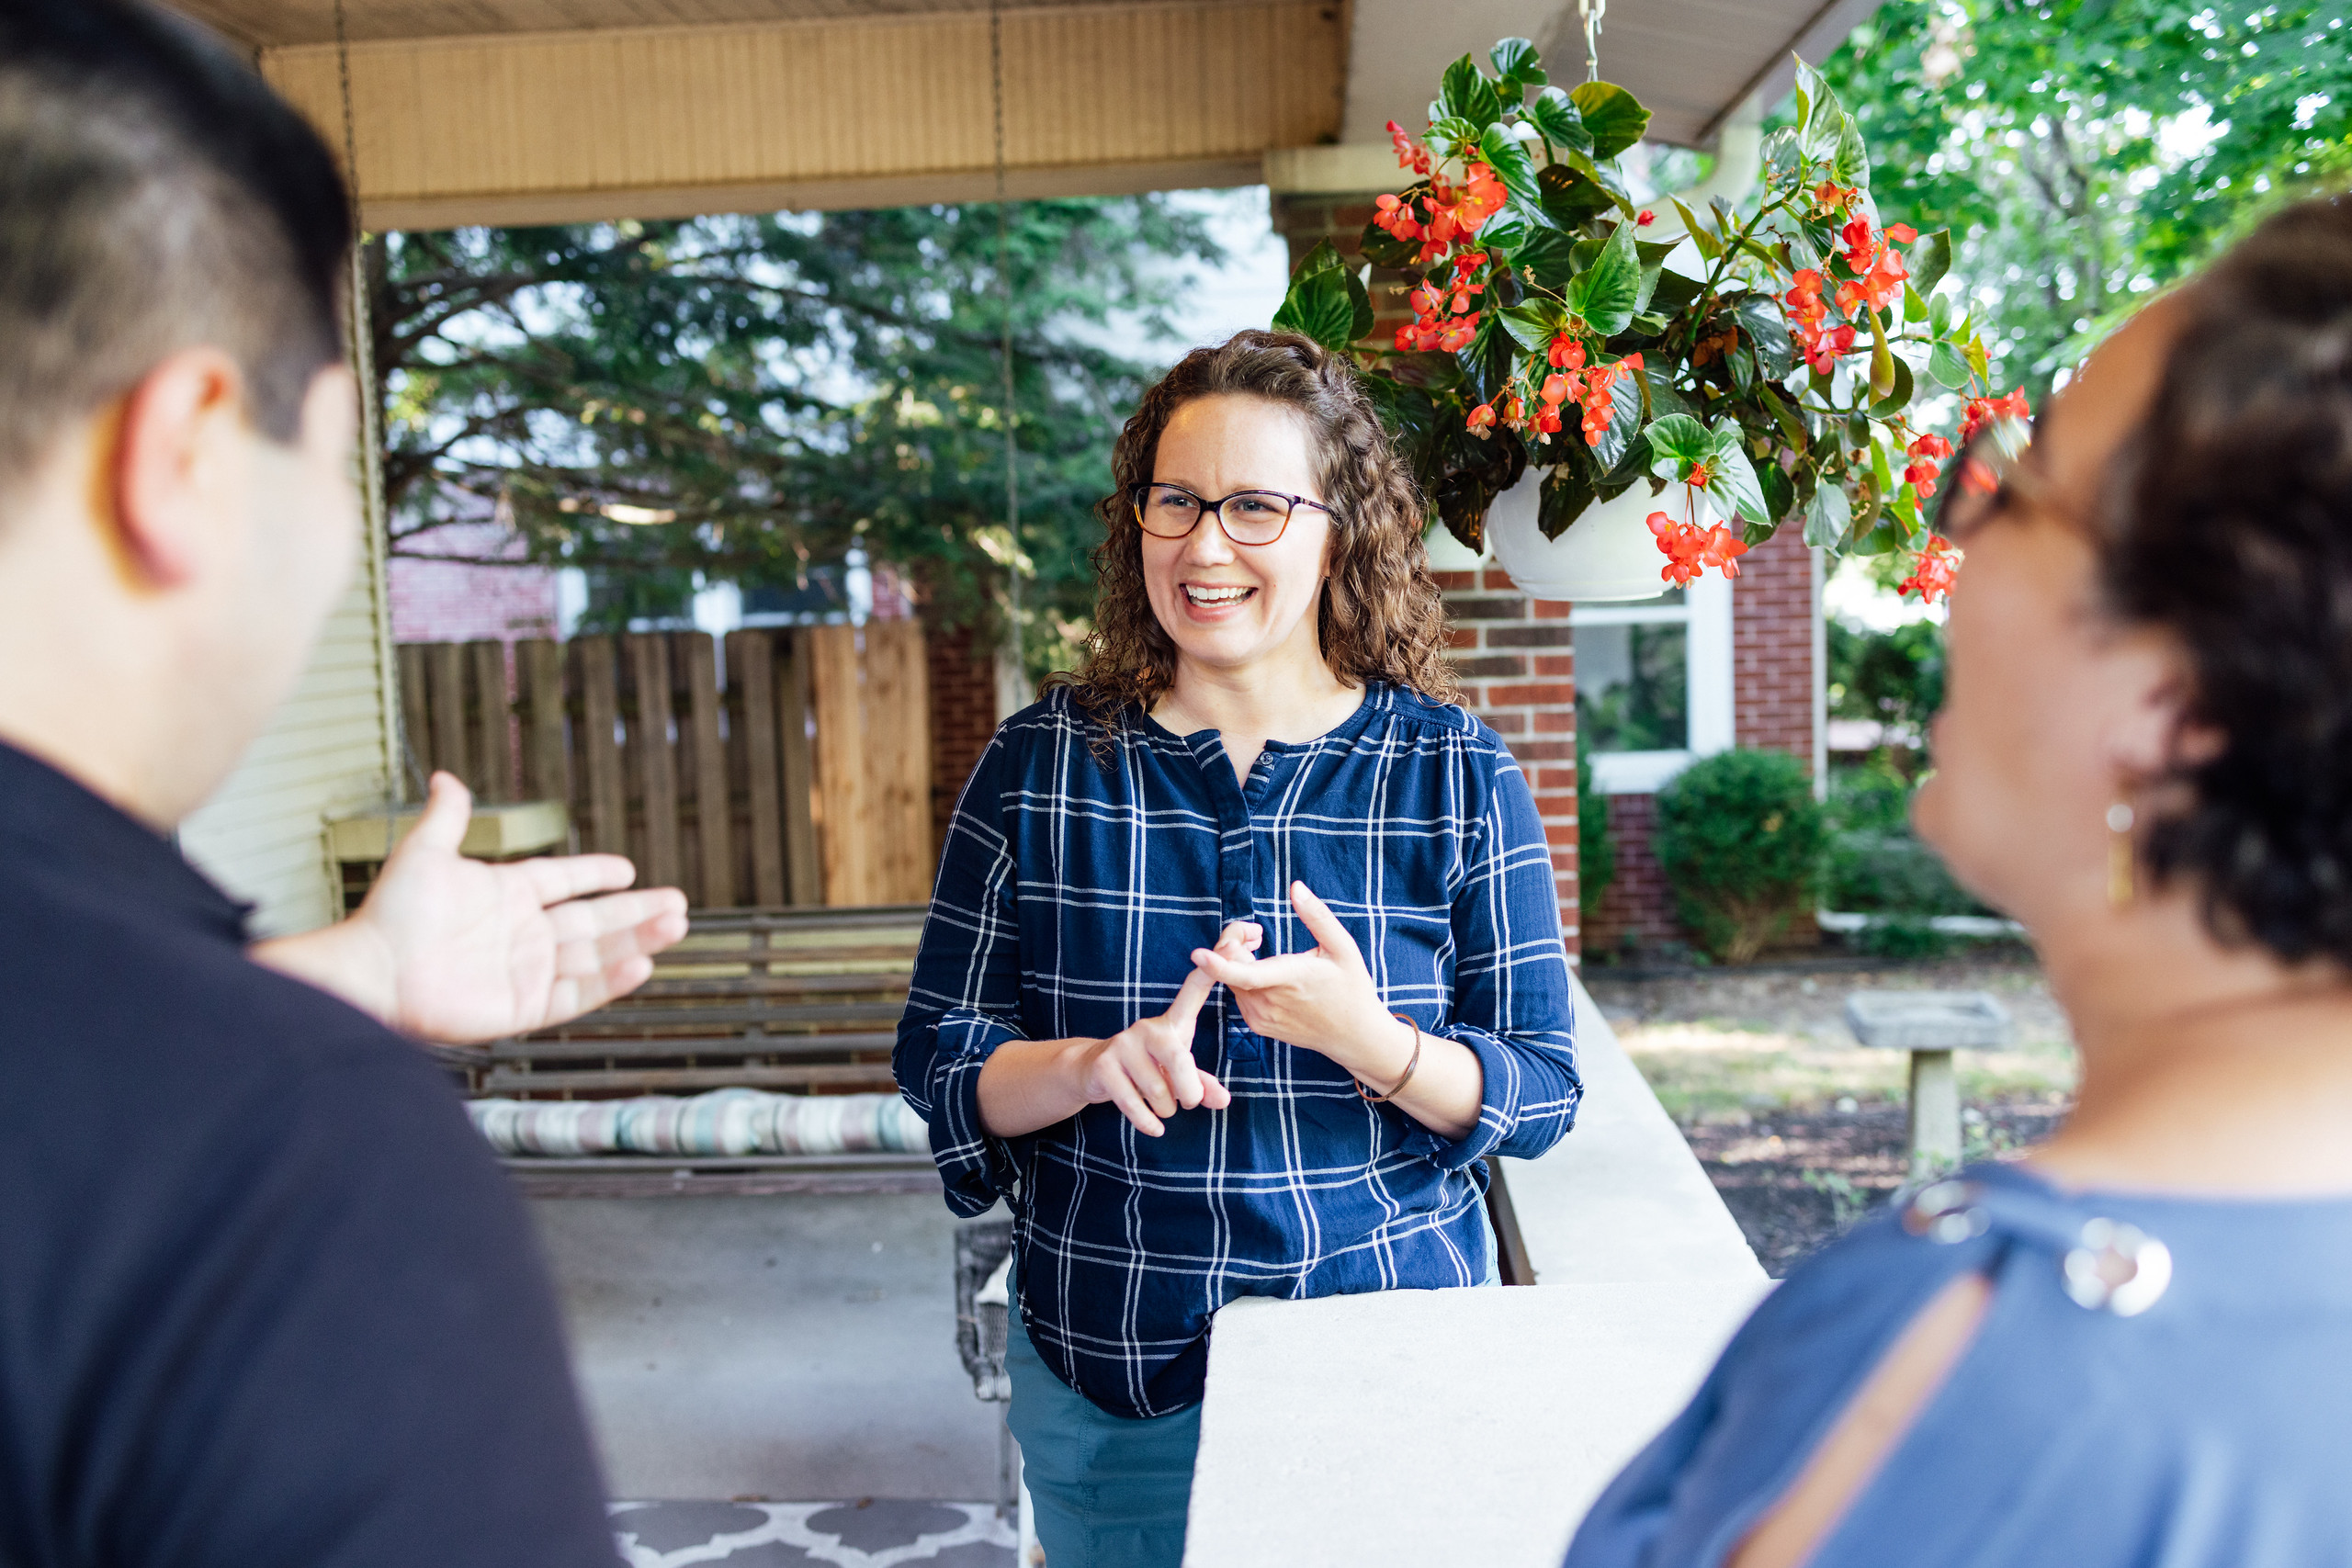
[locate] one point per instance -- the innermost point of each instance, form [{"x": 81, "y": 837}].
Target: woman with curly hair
[
  {"x": 2134, "y": 1346},
  {"x": 1245, "y": 951}
]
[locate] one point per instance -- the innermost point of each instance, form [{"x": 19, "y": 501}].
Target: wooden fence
[{"x": 782, "y": 767}]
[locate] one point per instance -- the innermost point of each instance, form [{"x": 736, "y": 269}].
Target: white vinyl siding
[{"x": 262, "y": 835}]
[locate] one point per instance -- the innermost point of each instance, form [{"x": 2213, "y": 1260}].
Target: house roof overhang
[{"x": 519, "y": 111}]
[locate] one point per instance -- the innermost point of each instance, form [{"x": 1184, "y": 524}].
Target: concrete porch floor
[{"x": 788, "y": 1347}]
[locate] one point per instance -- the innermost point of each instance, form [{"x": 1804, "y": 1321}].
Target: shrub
[
  {"x": 1740, "y": 839},
  {"x": 1596, "y": 849},
  {"x": 1876, "y": 864}
]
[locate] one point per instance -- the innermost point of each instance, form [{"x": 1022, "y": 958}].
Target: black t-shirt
[{"x": 265, "y": 1298}]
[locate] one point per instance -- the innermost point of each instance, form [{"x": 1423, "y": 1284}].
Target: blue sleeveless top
[{"x": 2157, "y": 1380}]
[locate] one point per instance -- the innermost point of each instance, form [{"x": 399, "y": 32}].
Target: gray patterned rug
[{"x": 869, "y": 1533}]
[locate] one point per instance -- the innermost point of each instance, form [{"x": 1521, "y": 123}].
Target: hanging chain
[
  {"x": 1592, "y": 11},
  {"x": 1004, "y": 299},
  {"x": 405, "y": 767}
]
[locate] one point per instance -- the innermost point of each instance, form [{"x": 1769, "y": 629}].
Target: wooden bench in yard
[{"x": 799, "y": 1001}]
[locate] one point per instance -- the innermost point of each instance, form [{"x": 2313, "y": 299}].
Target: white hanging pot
[
  {"x": 1607, "y": 553},
  {"x": 1447, "y": 553}
]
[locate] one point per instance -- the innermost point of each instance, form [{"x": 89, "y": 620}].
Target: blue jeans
[{"x": 1107, "y": 1491}]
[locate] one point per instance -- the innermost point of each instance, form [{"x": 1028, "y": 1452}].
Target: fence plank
[
  {"x": 802, "y": 869},
  {"x": 444, "y": 686},
  {"x": 598, "y": 778},
  {"x": 751, "y": 689},
  {"x": 417, "y": 716},
  {"x": 845, "y": 824},
  {"x": 488, "y": 729},
  {"x": 714, "y": 808},
  {"x": 538, "y": 679},
  {"x": 657, "y": 770},
  {"x": 898, "y": 756}
]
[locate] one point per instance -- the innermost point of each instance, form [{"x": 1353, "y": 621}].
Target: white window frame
[{"x": 1705, "y": 616}]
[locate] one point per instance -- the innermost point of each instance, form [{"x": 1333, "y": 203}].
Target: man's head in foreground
[{"x": 176, "y": 506}]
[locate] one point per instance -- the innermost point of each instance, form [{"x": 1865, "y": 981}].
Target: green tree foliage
[
  {"x": 1740, "y": 839},
  {"x": 2056, "y": 139},
  {"x": 1894, "y": 678},
  {"x": 741, "y": 397}
]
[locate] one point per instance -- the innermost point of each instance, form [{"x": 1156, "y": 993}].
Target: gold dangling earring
[{"x": 2120, "y": 854}]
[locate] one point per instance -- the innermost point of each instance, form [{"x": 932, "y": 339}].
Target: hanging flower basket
[
  {"x": 1561, "y": 383},
  {"x": 1611, "y": 551}
]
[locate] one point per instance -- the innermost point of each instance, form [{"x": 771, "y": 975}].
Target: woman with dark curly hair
[
  {"x": 2134, "y": 1346},
  {"x": 1245, "y": 951}
]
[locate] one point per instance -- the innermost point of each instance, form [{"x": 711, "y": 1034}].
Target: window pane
[{"x": 1632, "y": 693}]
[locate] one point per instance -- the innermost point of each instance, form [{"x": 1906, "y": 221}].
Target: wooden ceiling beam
[{"x": 852, "y": 112}]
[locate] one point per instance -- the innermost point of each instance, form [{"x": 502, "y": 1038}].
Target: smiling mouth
[{"x": 1214, "y": 598}]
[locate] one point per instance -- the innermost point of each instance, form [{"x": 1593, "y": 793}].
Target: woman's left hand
[{"x": 1323, "y": 998}]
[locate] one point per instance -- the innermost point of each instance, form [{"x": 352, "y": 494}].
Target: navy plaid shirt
[{"x": 1072, "y": 890}]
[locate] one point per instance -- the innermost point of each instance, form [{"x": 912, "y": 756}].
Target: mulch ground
[{"x": 1795, "y": 1179}]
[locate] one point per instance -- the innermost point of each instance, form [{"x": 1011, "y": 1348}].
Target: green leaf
[
  {"x": 1946, "y": 366},
  {"x": 1677, "y": 441},
  {"x": 1701, "y": 236},
  {"x": 1764, "y": 325},
  {"x": 1534, "y": 324},
  {"x": 1517, "y": 63},
  {"x": 1555, "y": 114},
  {"x": 1880, "y": 541},
  {"x": 1507, "y": 155},
  {"x": 1604, "y": 293},
  {"x": 1824, "y": 118},
  {"x": 1879, "y": 468},
  {"x": 1487, "y": 361},
  {"x": 1735, "y": 482},
  {"x": 1929, "y": 258},
  {"x": 1570, "y": 195},
  {"x": 1780, "y": 493},
  {"x": 1939, "y": 316},
  {"x": 1895, "y": 401},
  {"x": 1978, "y": 360},
  {"x": 1783, "y": 416},
  {"x": 1508, "y": 231},
  {"x": 1320, "y": 302},
  {"x": 1827, "y": 516},
  {"x": 1567, "y": 490},
  {"x": 1614, "y": 116},
  {"x": 1673, "y": 292},
  {"x": 1851, "y": 164},
  {"x": 1624, "y": 419},
  {"x": 1914, "y": 308},
  {"x": 1548, "y": 253},
  {"x": 1382, "y": 248},
  {"x": 1468, "y": 95}
]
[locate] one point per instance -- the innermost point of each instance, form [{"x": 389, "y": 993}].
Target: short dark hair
[
  {"x": 154, "y": 194},
  {"x": 2231, "y": 527}
]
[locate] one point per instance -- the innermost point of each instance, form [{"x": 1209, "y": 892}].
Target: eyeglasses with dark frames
[
  {"x": 1990, "y": 478},
  {"x": 1257, "y": 517}
]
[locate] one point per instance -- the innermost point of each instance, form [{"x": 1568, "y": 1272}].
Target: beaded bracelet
[{"x": 1385, "y": 1099}]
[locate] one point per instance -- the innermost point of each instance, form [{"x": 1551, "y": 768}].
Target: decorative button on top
[{"x": 2118, "y": 1267}]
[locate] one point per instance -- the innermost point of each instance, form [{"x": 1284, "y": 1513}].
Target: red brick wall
[
  {"x": 447, "y": 600},
  {"x": 1771, "y": 647},
  {"x": 1518, "y": 672},
  {"x": 963, "y": 718}
]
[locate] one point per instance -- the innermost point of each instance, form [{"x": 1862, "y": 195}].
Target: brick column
[
  {"x": 1517, "y": 664},
  {"x": 963, "y": 716},
  {"x": 1771, "y": 640},
  {"x": 1307, "y": 218}
]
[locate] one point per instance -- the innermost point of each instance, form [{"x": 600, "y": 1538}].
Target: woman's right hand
[{"x": 1147, "y": 1069}]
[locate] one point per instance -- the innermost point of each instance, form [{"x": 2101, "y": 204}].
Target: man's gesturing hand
[
  {"x": 1147, "y": 1069},
  {"x": 457, "y": 950}
]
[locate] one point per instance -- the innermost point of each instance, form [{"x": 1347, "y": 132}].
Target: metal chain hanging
[
  {"x": 1592, "y": 11},
  {"x": 1004, "y": 301},
  {"x": 403, "y": 766}
]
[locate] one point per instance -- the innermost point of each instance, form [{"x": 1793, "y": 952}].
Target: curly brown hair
[{"x": 1381, "y": 617}]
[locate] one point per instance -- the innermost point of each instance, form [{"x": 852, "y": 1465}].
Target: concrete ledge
[{"x": 1419, "y": 1427}]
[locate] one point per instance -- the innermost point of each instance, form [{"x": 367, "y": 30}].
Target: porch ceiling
[{"x": 509, "y": 111}]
